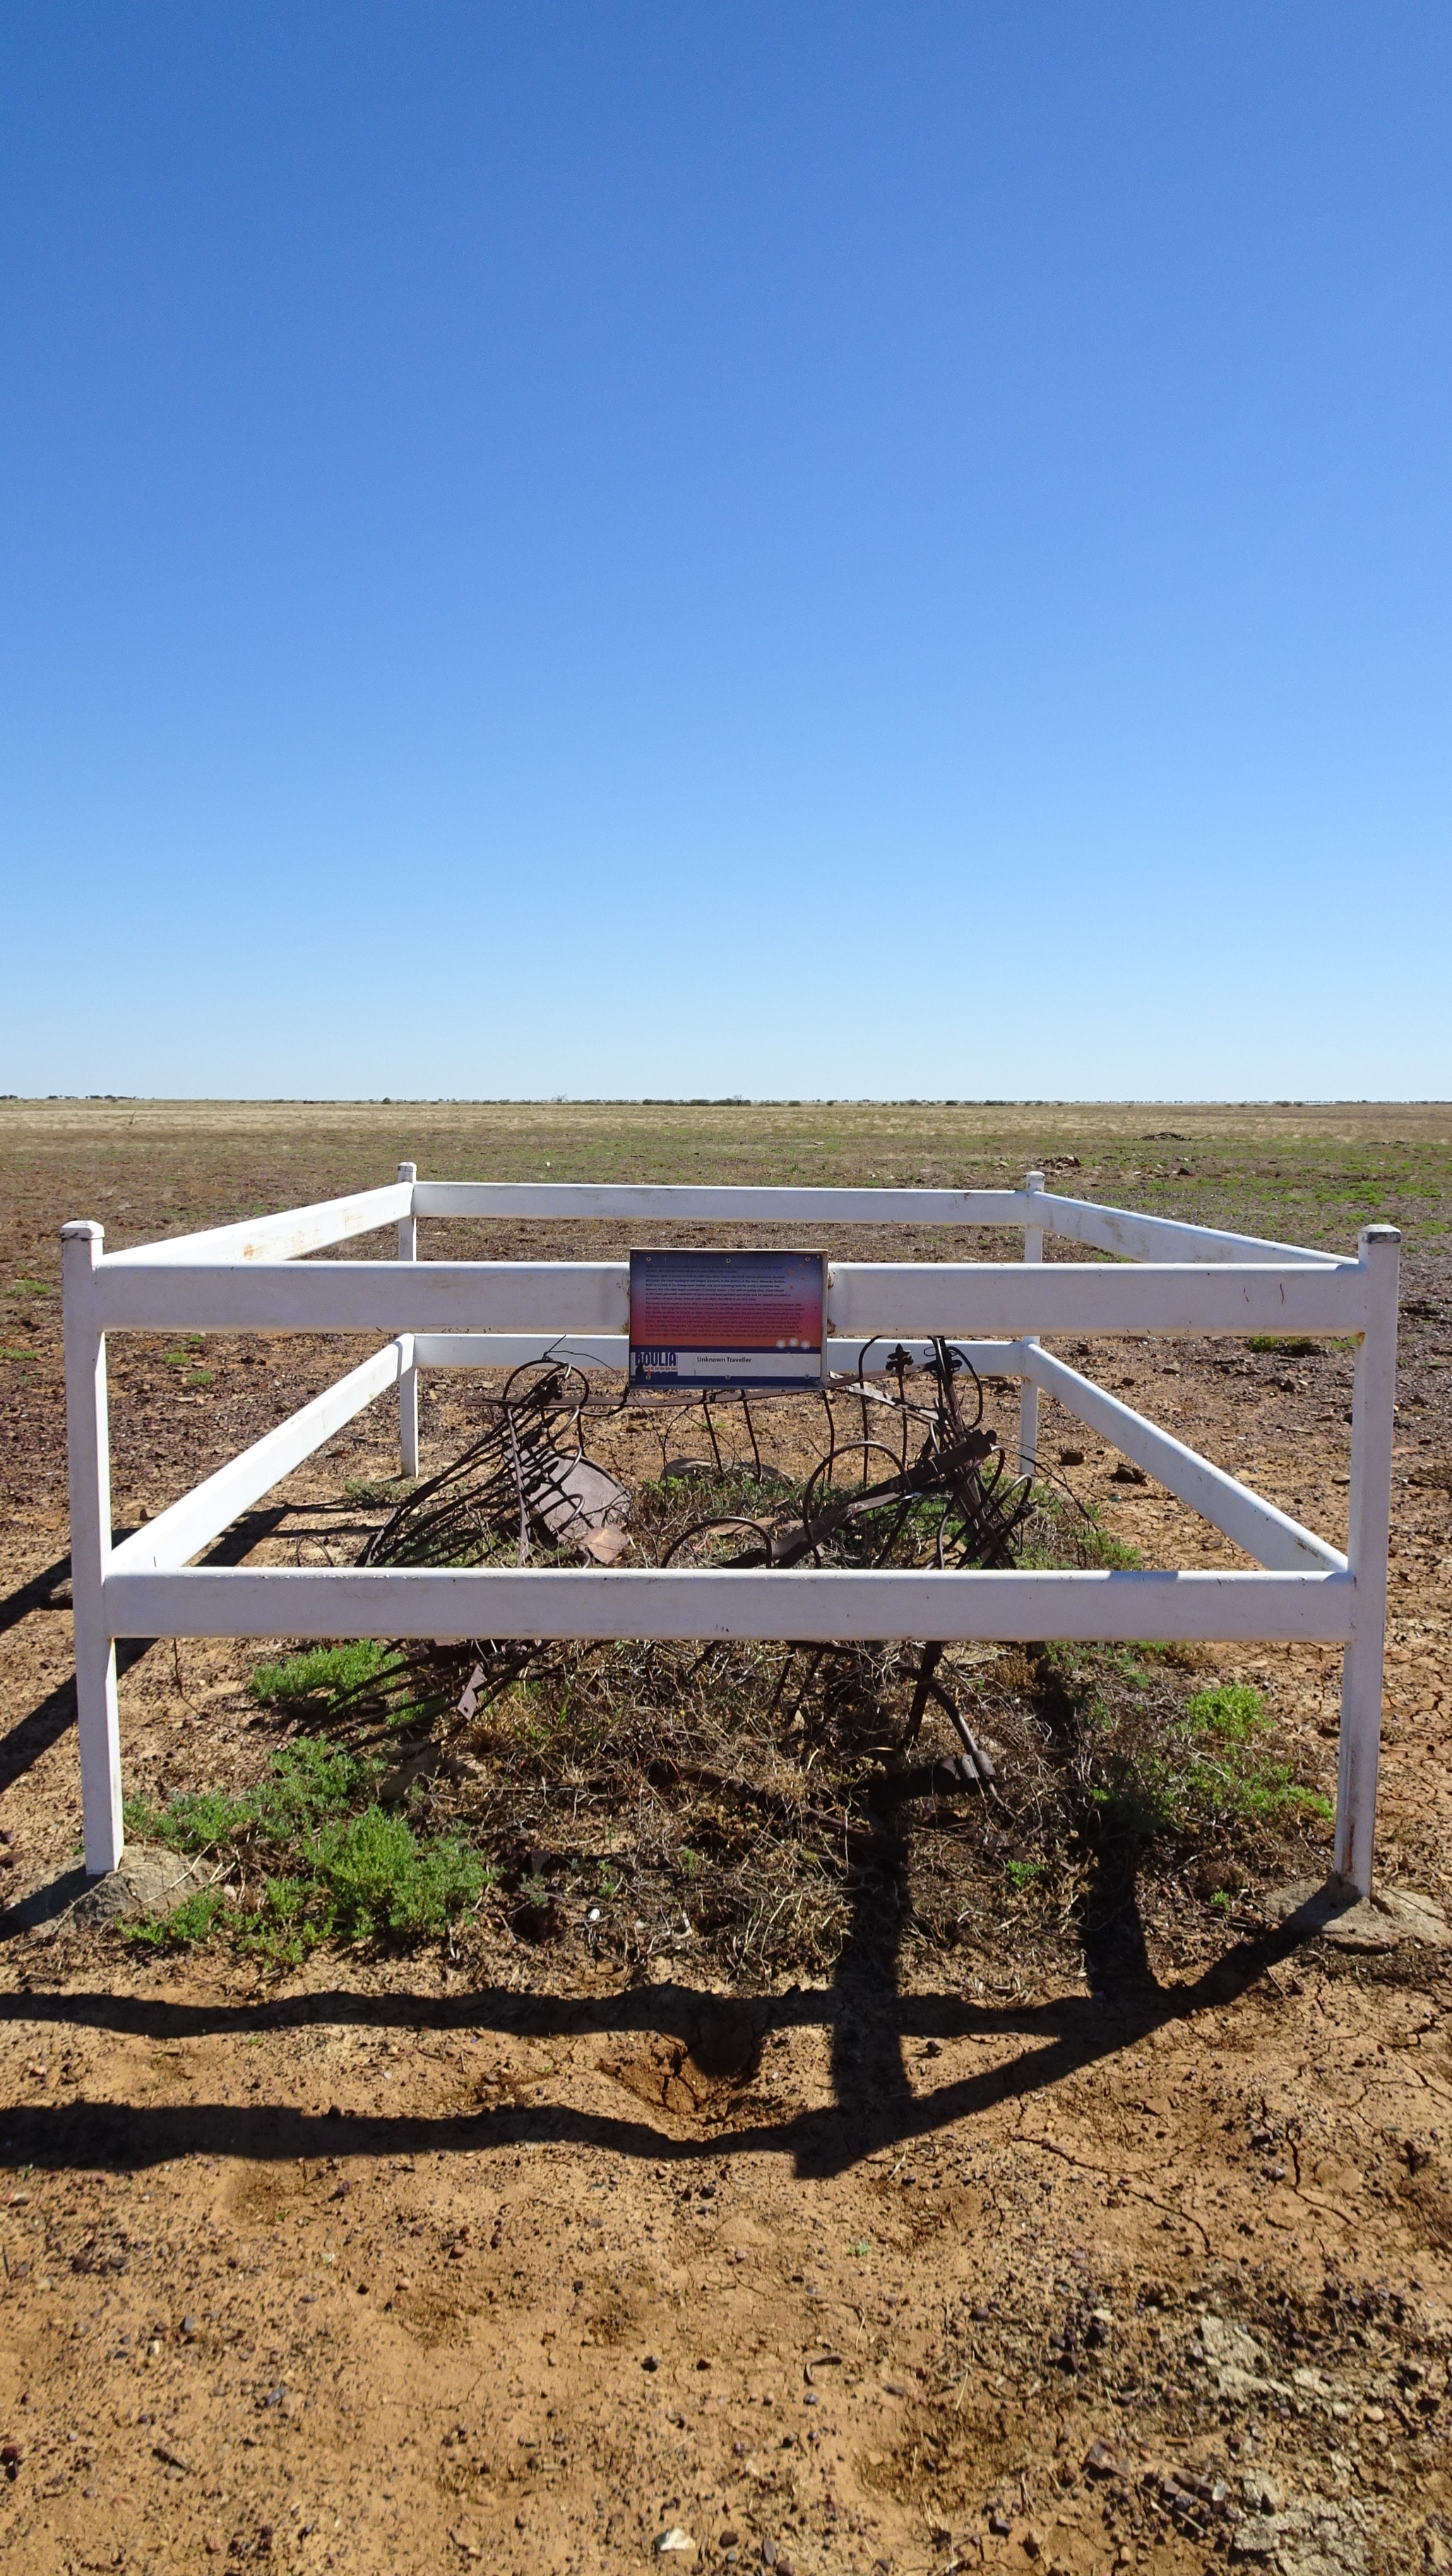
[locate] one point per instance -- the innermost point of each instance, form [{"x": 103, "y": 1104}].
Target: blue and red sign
[{"x": 707, "y": 1320}]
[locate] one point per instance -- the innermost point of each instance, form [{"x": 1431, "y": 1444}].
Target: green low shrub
[
  {"x": 351, "y": 1870},
  {"x": 328, "y": 1673},
  {"x": 308, "y": 1780},
  {"x": 1210, "y": 1771},
  {"x": 194, "y": 1920},
  {"x": 381, "y": 1880}
]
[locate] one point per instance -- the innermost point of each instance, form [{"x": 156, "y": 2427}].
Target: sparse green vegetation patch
[
  {"x": 188, "y": 1923},
  {"x": 314, "y": 1857},
  {"x": 1062, "y": 1531},
  {"x": 328, "y": 1675},
  {"x": 1211, "y": 1772}
]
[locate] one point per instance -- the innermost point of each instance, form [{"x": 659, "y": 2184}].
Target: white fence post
[
  {"x": 408, "y": 1383},
  {"x": 88, "y": 1445},
  {"x": 1028, "y": 1400},
  {"x": 1368, "y": 1541}
]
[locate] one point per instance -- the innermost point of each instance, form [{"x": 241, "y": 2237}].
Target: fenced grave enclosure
[{"x": 1162, "y": 1277}]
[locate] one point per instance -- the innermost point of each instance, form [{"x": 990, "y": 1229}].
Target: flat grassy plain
[
  {"x": 480, "y": 2251},
  {"x": 1298, "y": 1170}
]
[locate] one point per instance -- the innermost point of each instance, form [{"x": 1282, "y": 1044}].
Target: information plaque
[{"x": 707, "y": 1320}]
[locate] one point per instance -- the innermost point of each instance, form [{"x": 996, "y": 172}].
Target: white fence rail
[
  {"x": 1167, "y": 1278},
  {"x": 900, "y": 1298},
  {"x": 487, "y": 1601}
]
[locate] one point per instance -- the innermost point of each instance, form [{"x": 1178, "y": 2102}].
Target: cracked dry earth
[{"x": 542, "y": 2260}]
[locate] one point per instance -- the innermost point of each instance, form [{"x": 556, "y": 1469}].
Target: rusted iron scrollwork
[{"x": 527, "y": 1487}]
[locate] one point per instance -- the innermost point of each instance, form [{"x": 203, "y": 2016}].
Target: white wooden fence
[{"x": 1168, "y": 1278}]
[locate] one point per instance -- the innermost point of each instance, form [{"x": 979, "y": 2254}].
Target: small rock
[
  {"x": 188, "y": 2327},
  {"x": 1100, "y": 2461},
  {"x": 675, "y": 2541},
  {"x": 999, "y": 2524},
  {"x": 1257, "y": 2535},
  {"x": 146, "y": 1881},
  {"x": 1227, "y": 2343},
  {"x": 1262, "y": 2493},
  {"x": 650, "y": 2362},
  {"x": 1378, "y": 1922}
]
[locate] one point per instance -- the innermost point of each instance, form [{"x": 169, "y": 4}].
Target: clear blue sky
[{"x": 725, "y": 548}]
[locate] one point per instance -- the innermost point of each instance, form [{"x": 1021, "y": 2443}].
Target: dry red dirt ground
[{"x": 548, "y": 2260}]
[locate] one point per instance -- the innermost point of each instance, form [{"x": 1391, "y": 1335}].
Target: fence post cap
[
  {"x": 408, "y": 1171},
  {"x": 83, "y": 1229},
  {"x": 1379, "y": 1234}
]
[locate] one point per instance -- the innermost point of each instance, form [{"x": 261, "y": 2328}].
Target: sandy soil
[{"x": 533, "y": 2259}]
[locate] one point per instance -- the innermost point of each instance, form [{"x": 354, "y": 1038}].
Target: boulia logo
[{"x": 647, "y": 1359}]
